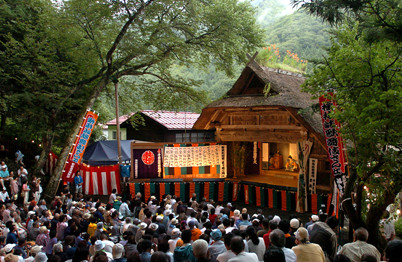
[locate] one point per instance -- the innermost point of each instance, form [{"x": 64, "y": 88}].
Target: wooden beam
[
  {"x": 251, "y": 135},
  {"x": 318, "y": 136},
  {"x": 259, "y": 127},
  {"x": 213, "y": 118}
]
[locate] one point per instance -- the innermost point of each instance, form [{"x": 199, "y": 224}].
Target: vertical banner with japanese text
[
  {"x": 78, "y": 148},
  {"x": 334, "y": 143}
]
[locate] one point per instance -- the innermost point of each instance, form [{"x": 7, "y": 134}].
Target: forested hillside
[{"x": 296, "y": 32}]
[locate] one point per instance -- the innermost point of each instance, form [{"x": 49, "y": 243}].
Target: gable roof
[
  {"x": 169, "y": 119},
  {"x": 173, "y": 120},
  {"x": 284, "y": 91}
]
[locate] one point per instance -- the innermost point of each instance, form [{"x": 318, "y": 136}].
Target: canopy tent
[{"x": 105, "y": 152}]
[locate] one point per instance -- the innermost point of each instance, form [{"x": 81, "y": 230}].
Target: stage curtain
[
  {"x": 270, "y": 198},
  {"x": 221, "y": 191},
  {"x": 161, "y": 190},
  {"x": 235, "y": 191},
  {"x": 329, "y": 203},
  {"x": 183, "y": 192},
  {"x": 147, "y": 191},
  {"x": 212, "y": 191},
  {"x": 314, "y": 203},
  {"x": 177, "y": 189},
  {"x": 246, "y": 196},
  {"x": 137, "y": 189},
  {"x": 152, "y": 189},
  {"x": 226, "y": 192},
  {"x": 206, "y": 191},
  {"x": 258, "y": 196},
  {"x": 132, "y": 189},
  {"x": 197, "y": 191},
  {"x": 192, "y": 190},
  {"x": 283, "y": 199},
  {"x": 167, "y": 189},
  {"x": 275, "y": 198},
  {"x": 319, "y": 201},
  {"x": 251, "y": 198},
  {"x": 289, "y": 201}
]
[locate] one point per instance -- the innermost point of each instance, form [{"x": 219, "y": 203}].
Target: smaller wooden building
[
  {"x": 159, "y": 126},
  {"x": 263, "y": 119}
]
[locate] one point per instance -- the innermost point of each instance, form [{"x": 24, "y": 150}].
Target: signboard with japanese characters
[
  {"x": 336, "y": 153},
  {"x": 78, "y": 148},
  {"x": 204, "y": 157}
]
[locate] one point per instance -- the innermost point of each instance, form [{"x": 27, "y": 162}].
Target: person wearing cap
[
  {"x": 306, "y": 251},
  {"x": 4, "y": 174},
  {"x": 40, "y": 257},
  {"x": 32, "y": 253},
  {"x": 290, "y": 240},
  {"x": 99, "y": 246},
  {"x": 312, "y": 220},
  {"x": 217, "y": 247},
  {"x": 324, "y": 234},
  {"x": 118, "y": 252},
  {"x": 175, "y": 234}
]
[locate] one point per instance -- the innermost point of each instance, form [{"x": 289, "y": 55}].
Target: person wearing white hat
[
  {"x": 32, "y": 253},
  {"x": 140, "y": 232},
  {"x": 118, "y": 252},
  {"x": 175, "y": 237},
  {"x": 306, "y": 251}
]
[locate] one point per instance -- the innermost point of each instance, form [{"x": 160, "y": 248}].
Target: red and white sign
[
  {"x": 72, "y": 164},
  {"x": 101, "y": 180},
  {"x": 334, "y": 143},
  {"x": 148, "y": 157}
]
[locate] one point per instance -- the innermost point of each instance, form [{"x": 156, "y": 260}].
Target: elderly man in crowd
[{"x": 359, "y": 247}]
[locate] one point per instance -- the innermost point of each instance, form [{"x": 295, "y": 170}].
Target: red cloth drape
[{"x": 258, "y": 196}]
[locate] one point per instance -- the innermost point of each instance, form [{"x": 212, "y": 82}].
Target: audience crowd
[{"x": 125, "y": 228}]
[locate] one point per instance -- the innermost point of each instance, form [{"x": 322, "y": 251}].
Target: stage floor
[
  {"x": 276, "y": 178},
  {"x": 272, "y": 177}
]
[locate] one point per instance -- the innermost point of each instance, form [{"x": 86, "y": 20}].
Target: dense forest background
[{"x": 284, "y": 27}]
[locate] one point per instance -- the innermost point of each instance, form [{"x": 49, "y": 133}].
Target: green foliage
[
  {"x": 398, "y": 228},
  {"x": 301, "y": 34},
  {"x": 270, "y": 57},
  {"x": 365, "y": 79},
  {"x": 37, "y": 71},
  {"x": 378, "y": 19}
]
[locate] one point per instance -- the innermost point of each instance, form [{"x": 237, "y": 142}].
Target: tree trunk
[
  {"x": 47, "y": 143},
  {"x": 52, "y": 186}
]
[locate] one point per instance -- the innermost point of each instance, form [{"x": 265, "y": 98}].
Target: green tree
[
  {"x": 38, "y": 99},
  {"x": 378, "y": 18},
  {"x": 145, "y": 39},
  {"x": 365, "y": 80}
]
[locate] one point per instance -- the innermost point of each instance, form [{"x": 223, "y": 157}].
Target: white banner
[{"x": 312, "y": 185}]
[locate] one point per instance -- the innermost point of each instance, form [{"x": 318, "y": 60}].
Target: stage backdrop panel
[
  {"x": 147, "y": 163},
  {"x": 101, "y": 180},
  {"x": 194, "y": 159}
]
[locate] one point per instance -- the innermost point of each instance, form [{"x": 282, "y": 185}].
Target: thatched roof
[{"x": 284, "y": 91}]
